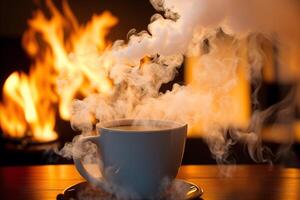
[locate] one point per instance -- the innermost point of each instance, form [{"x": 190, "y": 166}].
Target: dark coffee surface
[{"x": 139, "y": 127}]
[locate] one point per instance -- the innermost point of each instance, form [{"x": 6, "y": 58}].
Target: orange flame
[{"x": 65, "y": 65}]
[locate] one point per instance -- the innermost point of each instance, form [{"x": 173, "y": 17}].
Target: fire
[{"x": 65, "y": 56}]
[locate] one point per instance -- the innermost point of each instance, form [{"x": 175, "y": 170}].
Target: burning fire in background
[
  {"x": 66, "y": 66},
  {"x": 61, "y": 71}
]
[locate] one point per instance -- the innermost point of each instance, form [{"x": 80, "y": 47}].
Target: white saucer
[{"x": 84, "y": 189}]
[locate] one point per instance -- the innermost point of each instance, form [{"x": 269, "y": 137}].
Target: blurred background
[{"x": 32, "y": 127}]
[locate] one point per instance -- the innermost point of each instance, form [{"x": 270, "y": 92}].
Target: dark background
[{"x": 131, "y": 14}]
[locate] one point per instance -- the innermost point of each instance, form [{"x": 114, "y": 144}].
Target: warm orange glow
[
  {"x": 65, "y": 65},
  {"x": 239, "y": 112},
  {"x": 296, "y": 129},
  {"x": 268, "y": 70}
]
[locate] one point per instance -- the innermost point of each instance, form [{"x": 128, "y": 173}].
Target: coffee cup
[{"x": 137, "y": 155}]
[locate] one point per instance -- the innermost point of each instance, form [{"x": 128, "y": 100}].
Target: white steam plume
[{"x": 151, "y": 58}]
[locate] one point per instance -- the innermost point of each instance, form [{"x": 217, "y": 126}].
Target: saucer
[{"x": 86, "y": 191}]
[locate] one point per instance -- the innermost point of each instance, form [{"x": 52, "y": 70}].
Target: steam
[
  {"x": 176, "y": 191},
  {"x": 213, "y": 30}
]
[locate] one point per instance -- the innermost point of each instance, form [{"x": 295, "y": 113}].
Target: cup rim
[{"x": 106, "y": 125}]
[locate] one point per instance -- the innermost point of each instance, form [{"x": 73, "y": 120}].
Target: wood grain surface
[{"x": 245, "y": 181}]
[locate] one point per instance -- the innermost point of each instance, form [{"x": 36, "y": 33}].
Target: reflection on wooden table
[{"x": 246, "y": 181}]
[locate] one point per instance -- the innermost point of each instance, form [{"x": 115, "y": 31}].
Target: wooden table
[{"x": 246, "y": 182}]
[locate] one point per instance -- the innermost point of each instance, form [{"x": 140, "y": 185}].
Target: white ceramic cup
[{"x": 141, "y": 159}]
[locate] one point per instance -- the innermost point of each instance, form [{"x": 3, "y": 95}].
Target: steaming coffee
[{"x": 133, "y": 162}]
